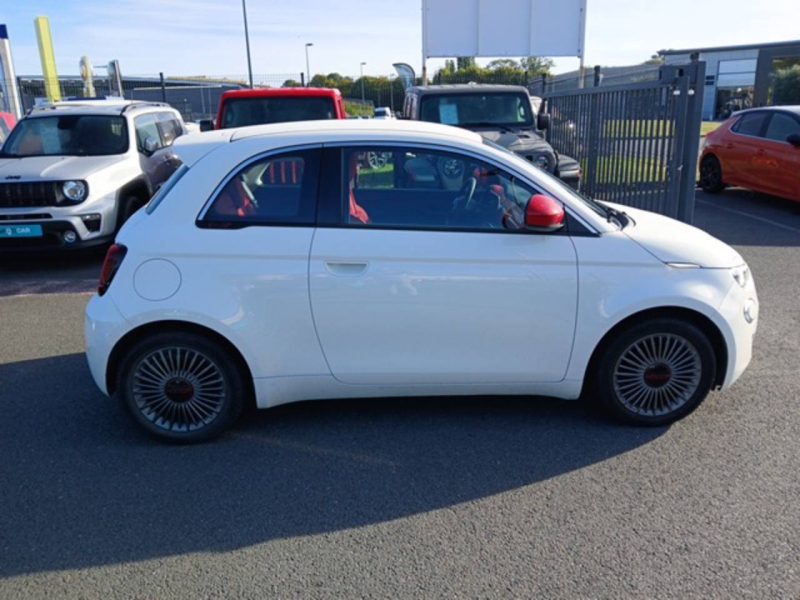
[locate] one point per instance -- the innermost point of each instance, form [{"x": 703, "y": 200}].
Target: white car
[
  {"x": 383, "y": 112},
  {"x": 71, "y": 173},
  {"x": 277, "y": 265}
]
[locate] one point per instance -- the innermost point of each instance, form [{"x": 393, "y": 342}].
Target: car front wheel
[
  {"x": 656, "y": 372},
  {"x": 181, "y": 387}
]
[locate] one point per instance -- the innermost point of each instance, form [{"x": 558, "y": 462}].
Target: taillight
[{"x": 110, "y": 267}]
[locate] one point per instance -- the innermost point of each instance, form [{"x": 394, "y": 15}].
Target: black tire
[
  {"x": 127, "y": 208},
  {"x": 193, "y": 406},
  {"x": 668, "y": 360},
  {"x": 711, "y": 175}
]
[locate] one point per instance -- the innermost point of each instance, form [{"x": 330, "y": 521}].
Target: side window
[
  {"x": 275, "y": 190},
  {"x": 751, "y": 124},
  {"x": 147, "y": 127},
  {"x": 781, "y": 126},
  {"x": 170, "y": 128},
  {"x": 418, "y": 188}
]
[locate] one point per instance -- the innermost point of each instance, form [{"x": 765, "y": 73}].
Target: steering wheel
[{"x": 469, "y": 191}]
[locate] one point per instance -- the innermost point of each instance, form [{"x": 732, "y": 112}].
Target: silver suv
[{"x": 71, "y": 173}]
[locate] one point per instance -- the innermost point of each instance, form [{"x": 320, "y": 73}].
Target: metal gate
[{"x": 637, "y": 143}]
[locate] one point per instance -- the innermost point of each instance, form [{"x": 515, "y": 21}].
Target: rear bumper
[{"x": 104, "y": 326}]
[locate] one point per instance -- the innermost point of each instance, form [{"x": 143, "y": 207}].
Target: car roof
[
  {"x": 194, "y": 146},
  {"x": 791, "y": 109},
  {"x": 292, "y": 92},
  {"x": 466, "y": 88},
  {"x": 96, "y": 107}
]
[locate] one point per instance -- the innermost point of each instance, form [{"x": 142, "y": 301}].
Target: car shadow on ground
[
  {"x": 81, "y": 486},
  {"x": 67, "y": 272}
]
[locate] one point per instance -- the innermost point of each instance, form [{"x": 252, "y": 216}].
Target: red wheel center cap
[
  {"x": 179, "y": 390},
  {"x": 658, "y": 375}
]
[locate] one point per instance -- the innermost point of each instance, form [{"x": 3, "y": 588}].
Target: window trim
[
  {"x": 325, "y": 196},
  {"x": 200, "y": 221},
  {"x": 741, "y": 118},
  {"x": 769, "y": 122}
]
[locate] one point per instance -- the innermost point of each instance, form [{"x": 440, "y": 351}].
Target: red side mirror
[{"x": 544, "y": 214}]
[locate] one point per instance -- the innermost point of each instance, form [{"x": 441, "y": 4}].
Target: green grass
[
  {"x": 356, "y": 109},
  {"x": 637, "y": 128},
  {"x": 628, "y": 170},
  {"x": 375, "y": 179},
  {"x": 707, "y": 127}
]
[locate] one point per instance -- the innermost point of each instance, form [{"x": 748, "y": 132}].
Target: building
[{"x": 738, "y": 77}]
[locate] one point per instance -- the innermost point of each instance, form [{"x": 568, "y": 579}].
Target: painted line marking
[{"x": 749, "y": 215}]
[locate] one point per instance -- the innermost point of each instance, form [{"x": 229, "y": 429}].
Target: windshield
[
  {"x": 239, "y": 112},
  {"x": 594, "y": 205},
  {"x": 68, "y": 135},
  {"x": 498, "y": 109}
]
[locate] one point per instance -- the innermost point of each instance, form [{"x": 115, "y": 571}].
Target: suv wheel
[
  {"x": 181, "y": 387},
  {"x": 656, "y": 372},
  {"x": 128, "y": 207}
]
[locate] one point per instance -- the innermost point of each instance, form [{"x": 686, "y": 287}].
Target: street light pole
[
  {"x": 247, "y": 42},
  {"x": 308, "y": 70},
  {"x": 363, "y": 99}
]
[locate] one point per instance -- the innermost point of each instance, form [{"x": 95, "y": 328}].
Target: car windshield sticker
[{"x": 448, "y": 114}]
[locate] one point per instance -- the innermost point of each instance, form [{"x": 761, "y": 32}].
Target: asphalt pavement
[{"x": 406, "y": 498}]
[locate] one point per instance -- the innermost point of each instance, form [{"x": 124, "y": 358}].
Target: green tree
[
  {"x": 655, "y": 59},
  {"x": 290, "y": 83},
  {"x": 786, "y": 86},
  {"x": 536, "y": 66},
  {"x": 503, "y": 63},
  {"x": 464, "y": 62}
]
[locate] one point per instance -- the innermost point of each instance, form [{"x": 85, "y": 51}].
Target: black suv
[{"x": 504, "y": 114}]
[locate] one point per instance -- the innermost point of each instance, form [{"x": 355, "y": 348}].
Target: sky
[{"x": 205, "y": 37}]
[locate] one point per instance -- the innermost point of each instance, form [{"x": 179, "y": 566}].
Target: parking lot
[{"x": 421, "y": 498}]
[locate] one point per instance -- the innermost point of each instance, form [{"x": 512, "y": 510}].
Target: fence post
[
  {"x": 163, "y": 87},
  {"x": 696, "y": 73},
  {"x": 544, "y": 83},
  {"x": 597, "y": 76},
  {"x": 303, "y": 80}
]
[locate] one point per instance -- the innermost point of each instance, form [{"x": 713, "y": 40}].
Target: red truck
[{"x": 239, "y": 108}]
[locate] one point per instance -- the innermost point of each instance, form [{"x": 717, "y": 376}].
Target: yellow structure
[{"x": 51, "y": 85}]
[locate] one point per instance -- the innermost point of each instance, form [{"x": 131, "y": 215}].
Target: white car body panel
[{"x": 335, "y": 312}]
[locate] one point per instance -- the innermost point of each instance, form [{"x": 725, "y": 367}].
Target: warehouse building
[{"x": 738, "y": 77}]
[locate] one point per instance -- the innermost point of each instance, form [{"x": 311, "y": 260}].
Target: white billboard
[{"x": 503, "y": 28}]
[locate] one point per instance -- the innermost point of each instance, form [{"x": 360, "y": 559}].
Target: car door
[
  {"x": 782, "y": 166},
  {"x": 743, "y": 155},
  {"x": 412, "y": 281},
  {"x": 155, "y": 163}
]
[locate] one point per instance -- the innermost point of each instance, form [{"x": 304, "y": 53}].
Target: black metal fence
[{"x": 637, "y": 143}]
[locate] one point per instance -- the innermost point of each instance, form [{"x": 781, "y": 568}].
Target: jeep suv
[
  {"x": 72, "y": 172},
  {"x": 504, "y": 114}
]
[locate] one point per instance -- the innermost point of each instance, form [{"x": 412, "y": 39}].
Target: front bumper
[
  {"x": 568, "y": 170},
  {"x": 741, "y": 332},
  {"x": 55, "y": 235}
]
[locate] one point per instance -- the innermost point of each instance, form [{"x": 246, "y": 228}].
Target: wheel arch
[
  {"x": 703, "y": 322},
  {"x": 136, "y": 187},
  {"x": 126, "y": 342}
]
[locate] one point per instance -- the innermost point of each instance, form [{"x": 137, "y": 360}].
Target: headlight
[
  {"x": 541, "y": 161},
  {"x": 74, "y": 190},
  {"x": 741, "y": 275}
]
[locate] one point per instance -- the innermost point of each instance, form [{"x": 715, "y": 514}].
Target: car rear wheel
[
  {"x": 711, "y": 175},
  {"x": 656, "y": 372},
  {"x": 181, "y": 387}
]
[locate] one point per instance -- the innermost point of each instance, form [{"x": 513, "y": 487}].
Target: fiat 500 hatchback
[{"x": 280, "y": 264}]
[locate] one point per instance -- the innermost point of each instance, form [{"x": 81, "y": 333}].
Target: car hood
[
  {"x": 522, "y": 141},
  {"x": 672, "y": 241},
  {"x": 54, "y": 167}
]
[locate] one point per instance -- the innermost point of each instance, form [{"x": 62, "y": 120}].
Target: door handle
[{"x": 346, "y": 269}]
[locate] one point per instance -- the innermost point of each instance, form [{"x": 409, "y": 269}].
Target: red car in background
[
  {"x": 7, "y": 123},
  {"x": 757, "y": 149},
  {"x": 239, "y": 108}
]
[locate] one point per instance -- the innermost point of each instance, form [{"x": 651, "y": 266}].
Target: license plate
[{"x": 20, "y": 231}]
